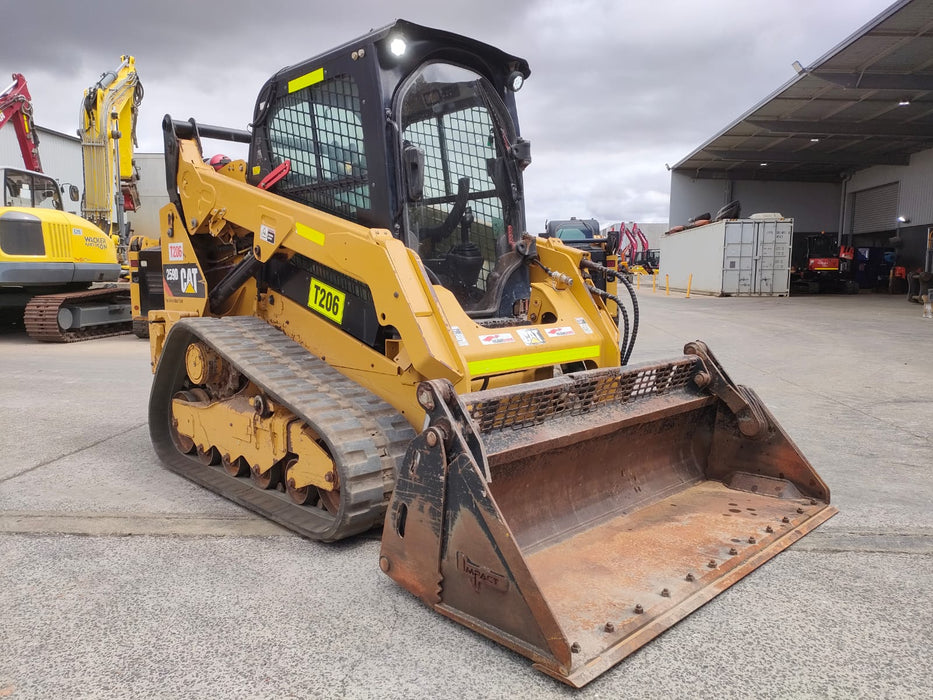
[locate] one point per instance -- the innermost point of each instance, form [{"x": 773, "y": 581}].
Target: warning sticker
[
  {"x": 531, "y": 336},
  {"x": 584, "y": 325},
  {"x": 496, "y": 338},
  {"x": 176, "y": 252},
  {"x": 266, "y": 233},
  {"x": 458, "y": 334},
  {"x": 559, "y": 331}
]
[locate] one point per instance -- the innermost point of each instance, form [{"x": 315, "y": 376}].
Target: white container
[{"x": 738, "y": 257}]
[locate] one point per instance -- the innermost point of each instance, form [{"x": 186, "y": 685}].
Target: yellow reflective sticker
[
  {"x": 537, "y": 359},
  {"x": 309, "y": 233},
  {"x": 326, "y": 300},
  {"x": 256, "y": 169},
  {"x": 303, "y": 81}
]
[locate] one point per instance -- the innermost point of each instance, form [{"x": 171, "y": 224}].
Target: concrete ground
[{"x": 121, "y": 579}]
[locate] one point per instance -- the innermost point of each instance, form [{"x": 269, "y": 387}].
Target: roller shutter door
[{"x": 875, "y": 209}]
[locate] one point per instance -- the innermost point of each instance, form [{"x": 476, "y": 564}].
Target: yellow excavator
[
  {"x": 50, "y": 258},
  {"x": 107, "y": 129},
  {"x": 357, "y": 332}
]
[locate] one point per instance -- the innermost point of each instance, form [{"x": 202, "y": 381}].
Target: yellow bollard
[
  {"x": 689, "y": 284},
  {"x": 637, "y": 281},
  {"x": 667, "y": 285},
  {"x": 654, "y": 283}
]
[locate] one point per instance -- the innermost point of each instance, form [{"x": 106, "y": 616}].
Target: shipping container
[{"x": 737, "y": 257}]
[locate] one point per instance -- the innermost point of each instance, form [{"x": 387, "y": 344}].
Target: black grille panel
[
  {"x": 21, "y": 234},
  {"x": 319, "y": 130},
  {"x": 576, "y": 393}
]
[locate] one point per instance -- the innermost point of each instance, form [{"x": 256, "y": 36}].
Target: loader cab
[{"x": 413, "y": 130}]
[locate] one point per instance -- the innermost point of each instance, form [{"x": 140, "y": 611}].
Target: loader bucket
[{"x": 575, "y": 519}]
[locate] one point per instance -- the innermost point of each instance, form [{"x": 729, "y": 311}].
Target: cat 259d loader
[{"x": 357, "y": 332}]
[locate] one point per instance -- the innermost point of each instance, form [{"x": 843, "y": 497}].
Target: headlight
[{"x": 397, "y": 46}]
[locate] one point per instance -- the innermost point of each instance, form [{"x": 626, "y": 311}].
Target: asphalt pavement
[{"x": 121, "y": 579}]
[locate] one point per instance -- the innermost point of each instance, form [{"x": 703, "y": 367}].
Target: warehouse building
[
  {"x": 61, "y": 159},
  {"x": 844, "y": 148},
  {"x": 60, "y": 154}
]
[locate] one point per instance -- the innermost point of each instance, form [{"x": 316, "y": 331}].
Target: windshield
[
  {"x": 573, "y": 234},
  {"x": 465, "y": 218},
  {"x": 28, "y": 190}
]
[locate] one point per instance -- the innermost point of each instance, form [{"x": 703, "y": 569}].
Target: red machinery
[{"x": 16, "y": 104}]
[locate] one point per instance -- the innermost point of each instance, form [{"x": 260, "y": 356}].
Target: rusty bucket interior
[{"x": 575, "y": 519}]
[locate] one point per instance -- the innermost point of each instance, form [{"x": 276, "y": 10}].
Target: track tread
[
  {"x": 41, "y": 317},
  {"x": 367, "y": 437}
]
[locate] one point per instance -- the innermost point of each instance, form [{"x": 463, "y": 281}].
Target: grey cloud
[{"x": 617, "y": 88}]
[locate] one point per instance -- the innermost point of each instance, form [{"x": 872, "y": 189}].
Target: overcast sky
[{"x": 617, "y": 88}]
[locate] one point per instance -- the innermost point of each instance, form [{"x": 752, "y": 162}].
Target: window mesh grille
[
  {"x": 319, "y": 129},
  {"x": 465, "y": 138}
]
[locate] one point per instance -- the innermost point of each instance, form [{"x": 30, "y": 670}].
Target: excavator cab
[{"x": 25, "y": 189}]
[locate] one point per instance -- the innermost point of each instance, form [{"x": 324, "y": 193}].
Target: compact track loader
[{"x": 357, "y": 332}]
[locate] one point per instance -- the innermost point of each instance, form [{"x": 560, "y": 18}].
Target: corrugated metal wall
[
  {"x": 875, "y": 209},
  {"x": 915, "y": 194},
  {"x": 813, "y": 206},
  {"x": 152, "y": 194}
]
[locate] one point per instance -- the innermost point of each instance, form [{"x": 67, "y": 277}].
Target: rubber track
[
  {"x": 41, "y": 316},
  {"x": 366, "y": 436}
]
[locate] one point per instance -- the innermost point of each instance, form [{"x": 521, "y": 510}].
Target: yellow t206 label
[{"x": 326, "y": 300}]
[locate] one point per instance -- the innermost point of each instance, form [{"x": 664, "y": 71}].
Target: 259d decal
[{"x": 184, "y": 280}]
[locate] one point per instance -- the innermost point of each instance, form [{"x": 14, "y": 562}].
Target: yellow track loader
[{"x": 357, "y": 332}]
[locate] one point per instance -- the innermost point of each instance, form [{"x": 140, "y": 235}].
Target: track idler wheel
[
  {"x": 209, "y": 456},
  {"x": 234, "y": 467},
  {"x": 306, "y": 495},
  {"x": 330, "y": 500},
  {"x": 183, "y": 443},
  {"x": 268, "y": 479}
]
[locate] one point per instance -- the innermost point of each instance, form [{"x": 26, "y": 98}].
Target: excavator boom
[
  {"x": 16, "y": 106},
  {"x": 107, "y": 128}
]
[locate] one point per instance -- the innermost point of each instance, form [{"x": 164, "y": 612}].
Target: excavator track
[
  {"x": 365, "y": 436},
  {"x": 41, "y": 316}
]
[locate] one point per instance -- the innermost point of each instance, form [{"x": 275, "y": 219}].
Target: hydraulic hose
[
  {"x": 624, "y": 346},
  {"x": 627, "y": 343},
  {"x": 631, "y": 292},
  {"x": 625, "y": 349}
]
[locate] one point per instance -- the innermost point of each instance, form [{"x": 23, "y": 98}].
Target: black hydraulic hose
[
  {"x": 628, "y": 341},
  {"x": 626, "y": 347},
  {"x": 631, "y": 292}
]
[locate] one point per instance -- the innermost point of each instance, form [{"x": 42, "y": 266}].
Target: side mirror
[
  {"x": 521, "y": 152},
  {"x": 73, "y": 193},
  {"x": 413, "y": 164},
  {"x": 612, "y": 241}
]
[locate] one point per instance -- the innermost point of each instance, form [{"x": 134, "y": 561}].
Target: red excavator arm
[{"x": 16, "y": 104}]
